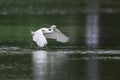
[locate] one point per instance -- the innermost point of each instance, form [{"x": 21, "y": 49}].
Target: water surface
[{"x": 28, "y": 64}]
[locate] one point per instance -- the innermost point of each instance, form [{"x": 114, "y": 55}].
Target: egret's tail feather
[{"x": 32, "y": 32}]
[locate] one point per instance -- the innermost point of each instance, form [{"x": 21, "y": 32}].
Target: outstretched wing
[
  {"x": 58, "y": 35},
  {"x": 40, "y": 39}
]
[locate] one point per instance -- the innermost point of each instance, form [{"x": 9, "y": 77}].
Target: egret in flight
[{"x": 39, "y": 36}]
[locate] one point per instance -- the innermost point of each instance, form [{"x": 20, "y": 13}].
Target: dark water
[
  {"x": 60, "y": 64},
  {"x": 93, "y": 52}
]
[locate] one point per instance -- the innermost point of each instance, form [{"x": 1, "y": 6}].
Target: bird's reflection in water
[
  {"x": 47, "y": 65},
  {"x": 40, "y": 65}
]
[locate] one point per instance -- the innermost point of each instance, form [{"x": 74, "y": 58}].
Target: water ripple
[
  {"x": 14, "y": 50},
  {"x": 61, "y": 50},
  {"x": 98, "y": 54}
]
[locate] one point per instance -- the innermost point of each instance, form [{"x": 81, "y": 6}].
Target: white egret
[{"x": 39, "y": 36}]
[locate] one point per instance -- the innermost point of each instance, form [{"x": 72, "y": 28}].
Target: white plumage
[{"x": 39, "y": 36}]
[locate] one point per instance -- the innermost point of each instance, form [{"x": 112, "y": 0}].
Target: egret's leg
[{"x": 32, "y": 44}]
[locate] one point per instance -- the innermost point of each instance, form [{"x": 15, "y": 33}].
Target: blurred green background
[{"x": 19, "y": 17}]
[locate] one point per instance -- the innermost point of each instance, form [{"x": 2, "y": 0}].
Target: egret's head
[{"x": 53, "y": 26}]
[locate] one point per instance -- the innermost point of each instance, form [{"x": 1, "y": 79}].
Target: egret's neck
[{"x": 47, "y": 30}]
